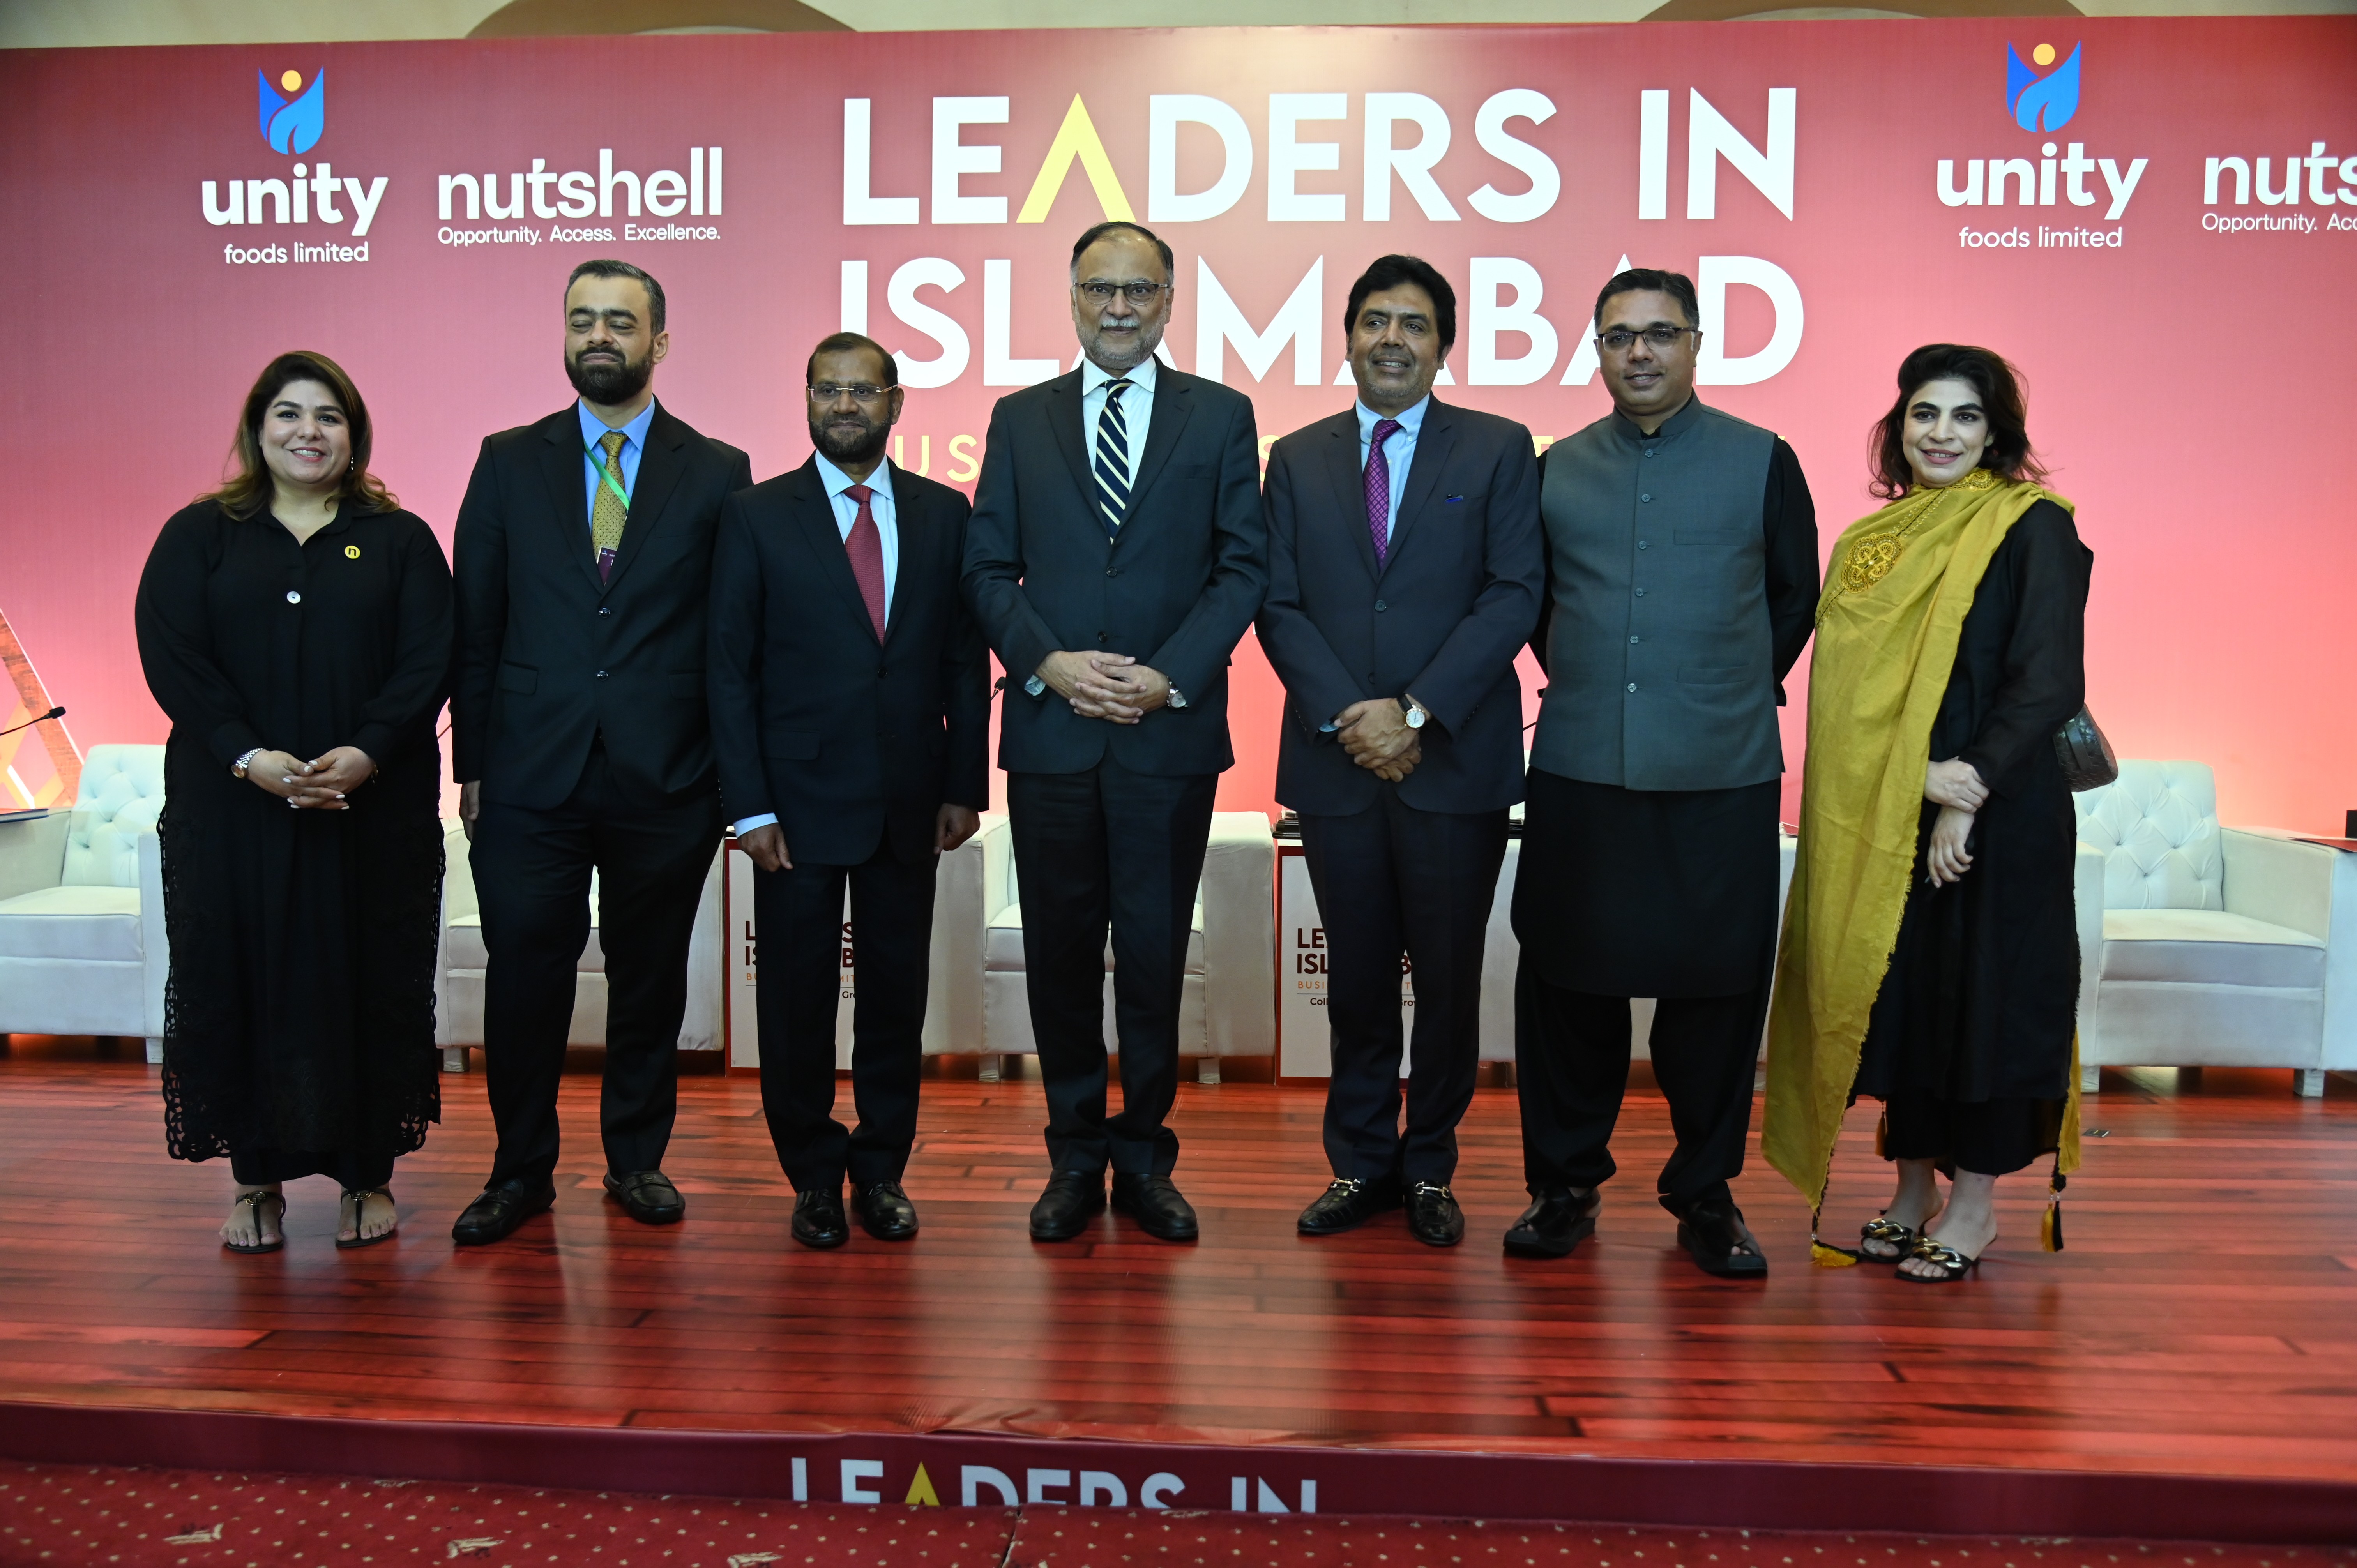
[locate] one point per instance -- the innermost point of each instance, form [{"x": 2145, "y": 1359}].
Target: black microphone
[{"x": 57, "y": 713}]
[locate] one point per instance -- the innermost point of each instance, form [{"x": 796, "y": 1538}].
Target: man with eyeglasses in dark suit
[
  {"x": 1682, "y": 585},
  {"x": 1115, "y": 556}
]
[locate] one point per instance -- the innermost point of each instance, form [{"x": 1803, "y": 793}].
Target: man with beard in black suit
[{"x": 580, "y": 742}]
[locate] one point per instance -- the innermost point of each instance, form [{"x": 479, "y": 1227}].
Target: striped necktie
[
  {"x": 612, "y": 512},
  {"x": 1112, "y": 458}
]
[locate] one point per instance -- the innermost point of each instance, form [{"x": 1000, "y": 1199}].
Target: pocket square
[{"x": 1450, "y": 498}]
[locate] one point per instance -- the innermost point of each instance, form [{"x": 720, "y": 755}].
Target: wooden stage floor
[{"x": 2203, "y": 1321}]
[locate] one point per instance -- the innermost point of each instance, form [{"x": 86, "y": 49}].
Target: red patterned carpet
[{"x": 70, "y": 1516}]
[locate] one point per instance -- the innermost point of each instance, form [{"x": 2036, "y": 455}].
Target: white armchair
[
  {"x": 1228, "y": 1007},
  {"x": 458, "y": 980},
  {"x": 2220, "y": 947},
  {"x": 81, "y": 907}
]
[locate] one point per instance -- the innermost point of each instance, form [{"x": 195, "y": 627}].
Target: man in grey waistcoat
[{"x": 1682, "y": 585}]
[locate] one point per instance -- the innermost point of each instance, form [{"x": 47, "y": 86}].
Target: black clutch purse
[{"x": 2086, "y": 757}]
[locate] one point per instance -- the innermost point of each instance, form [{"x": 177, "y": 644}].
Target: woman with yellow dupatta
[{"x": 1931, "y": 959}]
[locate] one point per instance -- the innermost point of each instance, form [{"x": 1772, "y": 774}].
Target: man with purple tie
[
  {"x": 851, "y": 711},
  {"x": 1406, "y": 568}
]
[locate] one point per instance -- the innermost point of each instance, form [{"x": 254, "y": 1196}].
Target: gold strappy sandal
[{"x": 1953, "y": 1265}]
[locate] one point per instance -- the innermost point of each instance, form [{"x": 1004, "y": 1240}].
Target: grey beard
[{"x": 1107, "y": 359}]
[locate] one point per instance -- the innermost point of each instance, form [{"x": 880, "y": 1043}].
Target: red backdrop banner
[{"x": 2157, "y": 219}]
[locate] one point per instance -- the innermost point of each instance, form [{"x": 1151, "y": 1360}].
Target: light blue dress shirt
[
  {"x": 634, "y": 443},
  {"x": 846, "y": 513},
  {"x": 1398, "y": 452}
]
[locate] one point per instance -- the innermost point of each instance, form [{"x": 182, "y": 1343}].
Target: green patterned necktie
[{"x": 607, "y": 517}]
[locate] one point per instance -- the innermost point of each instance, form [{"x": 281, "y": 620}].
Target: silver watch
[
  {"x": 1177, "y": 699},
  {"x": 1416, "y": 712},
  {"x": 243, "y": 763}
]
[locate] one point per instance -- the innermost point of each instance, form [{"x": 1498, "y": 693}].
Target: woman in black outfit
[
  {"x": 1967, "y": 1029},
  {"x": 296, "y": 625}
]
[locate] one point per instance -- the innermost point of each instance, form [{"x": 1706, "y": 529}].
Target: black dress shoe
[
  {"x": 494, "y": 1216},
  {"x": 1433, "y": 1217},
  {"x": 1560, "y": 1219},
  {"x": 647, "y": 1196},
  {"x": 884, "y": 1210},
  {"x": 1348, "y": 1202},
  {"x": 818, "y": 1218},
  {"x": 1153, "y": 1202},
  {"x": 1064, "y": 1210},
  {"x": 1714, "y": 1235}
]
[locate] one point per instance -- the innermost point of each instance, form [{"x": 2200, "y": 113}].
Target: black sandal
[
  {"x": 1890, "y": 1233},
  {"x": 1953, "y": 1265},
  {"x": 255, "y": 1200},
  {"x": 360, "y": 1207}
]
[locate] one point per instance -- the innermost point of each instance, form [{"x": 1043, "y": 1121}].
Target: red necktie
[{"x": 866, "y": 547}]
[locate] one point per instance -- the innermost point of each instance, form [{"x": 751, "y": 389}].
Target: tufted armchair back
[
  {"x": 122, "y": 794},
  {"x": 2157, "y": 829}
]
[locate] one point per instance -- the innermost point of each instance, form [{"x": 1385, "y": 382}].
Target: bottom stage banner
[{"x": 984, "y": 1470}]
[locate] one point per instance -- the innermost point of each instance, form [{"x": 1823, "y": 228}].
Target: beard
[
  {"x": 842, "y": 448},
  {"x": 1109, "y": 356},
  {"x": 609, "y": 381}
]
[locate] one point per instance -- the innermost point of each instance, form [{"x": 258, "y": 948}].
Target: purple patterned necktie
[{"x": 1378, "y": 490}]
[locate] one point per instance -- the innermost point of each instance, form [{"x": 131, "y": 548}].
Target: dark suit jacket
[
  {"x": 549, "y": 657},
  {"x": 846, "y": 738},
  {"x": 1457, "y": 596},
  {"x": 1175, "y": 589}
]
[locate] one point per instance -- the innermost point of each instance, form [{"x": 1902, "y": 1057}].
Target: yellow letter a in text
[
  {"x": 920, "y": 1490},
  {"x": 1077, "y": 139}
]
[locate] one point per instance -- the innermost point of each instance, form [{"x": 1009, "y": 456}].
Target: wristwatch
[
  {"x": 1416, "y": 712},
  {"x": 1177, "y": 698},
  {"x": 240, "y": 766}
]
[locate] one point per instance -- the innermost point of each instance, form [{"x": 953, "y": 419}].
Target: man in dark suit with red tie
[
  {"x": 851, "y": 711},
  {"x": 579, "y": 740},
  {"x": 1405, "y": 570},
  {"x": 1115, "y": 558}
]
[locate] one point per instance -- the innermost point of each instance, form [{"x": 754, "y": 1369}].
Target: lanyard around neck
[{"x": 612, "y": 476}]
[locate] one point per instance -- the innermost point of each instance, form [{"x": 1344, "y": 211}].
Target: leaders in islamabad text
[
  {"x": 295, "y": 625},
  {"x": 1405, "y": 567},
  {"x": 1115, "y": 556},
  {"x": 581, "y": 745},
  {"x": 1682, "y": 579},
  {"x": 851, "y": 711},
  {"x": 1941, "y": 977}
]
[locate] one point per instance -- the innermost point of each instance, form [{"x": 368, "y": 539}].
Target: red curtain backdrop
[{"x": 2186, "y": 343}]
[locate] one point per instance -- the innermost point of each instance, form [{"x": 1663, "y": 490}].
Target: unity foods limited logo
[
  {"x": 2041, "y": 102},
  {"x": 2060, "y": 174},
  {"x": 292, "y": 116},
  {"x": 294, "y": 125}
]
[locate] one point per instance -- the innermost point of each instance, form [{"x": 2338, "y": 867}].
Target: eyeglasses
[
  {"x": 1102, "y": 293},
  {"x": 861, "y": 391},
  {"x": 1620, "y": 339}
]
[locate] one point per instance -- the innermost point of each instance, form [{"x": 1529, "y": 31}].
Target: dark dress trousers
[
  {"x": 854, "y": 743},
  {"x": 579, "y": 707},
  {"x": 1407, "y": 868},
  {"x": 1681, "y": 585},
  {"x": 1110, "y": 820}
]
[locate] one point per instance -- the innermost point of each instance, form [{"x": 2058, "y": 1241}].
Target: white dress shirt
[
  {"x": 1136, "y": 409},
  {"x": 1136, "y": 415},
  {"x": 846, "y": 513}
]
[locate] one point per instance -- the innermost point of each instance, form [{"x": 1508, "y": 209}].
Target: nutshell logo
[
  {"x": 2040, "y": 102},
  {"x": 295, "y": 124}
]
